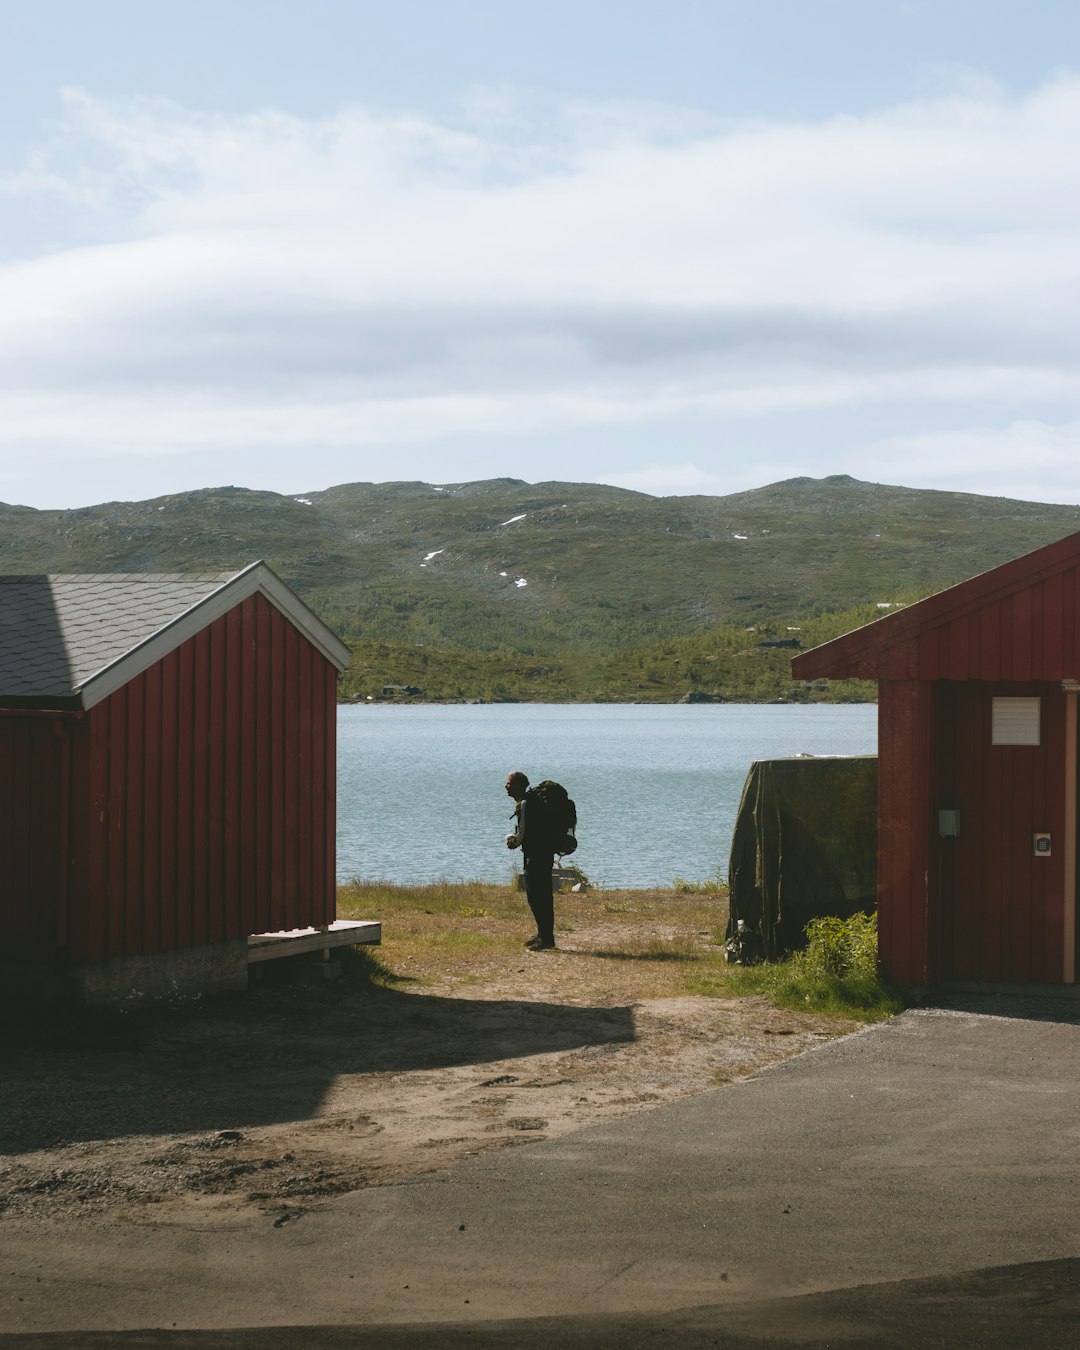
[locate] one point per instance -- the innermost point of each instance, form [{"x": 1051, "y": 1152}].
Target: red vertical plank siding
[
  {"x": 1023, "y": 618},
  {"x": 1021, "y": 924},
  {"x": 281, "y": 747},
  {"x": 290, "y": 754},
  {"x": 168, "y": 725},
  {"x": 1005, "y": 610},
  {"x": 42, "y": 764},
  {"x": 64, "y": 804},
  {"x": 322, "y": 777},
  {"x": 217, "y": 653},
  {"x": 200, "y": 812},
  {"x": 182, "y": 924},
  {"x": 308, "y": 850},
  {"x": 972, "y": 854},
  {"x": 151, "y": 809},
  {"x": 35, "y": 773},
  {"x": 1069, "y": 666},
  {"x": 1004, "y": 920},
  {"x": 134, "y": 827},
  {"x": 89, "y": 906},
  {"x": 1046, "y": 926},
  {"x": 1035, "y": 633},
  {"x": 232, "y": 770},
  {"x": 927, "y": 658},
  {"x": 959, "y": 638},
  {"x": 262, "y": 915},
  {"x": 989, "y": 666},
  {"x": 116, "y": 812},
  {"x": 248, "y": 786},
  {"x": 88, "y": 840},
  {"x": 16, "y": 751},
  {"x": 71, "y": 805},
  {"x": 904, "y": 719},
  {"x": 903, "y": 662},
  {"x": 944, "y": 795},
  {"x": 1049, "y": 660},
  {"x": 203, "y": 800}
]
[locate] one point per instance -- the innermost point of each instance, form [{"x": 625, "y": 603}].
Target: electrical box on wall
[
  {"x": 948, "y": 824},
  {"x": 1041, "y": 845}
]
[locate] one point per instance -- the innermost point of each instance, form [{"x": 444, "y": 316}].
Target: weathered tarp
[{"x": 805, "y": 845}]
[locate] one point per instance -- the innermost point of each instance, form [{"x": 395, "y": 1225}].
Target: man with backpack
[{"x": 545, "y": 819}]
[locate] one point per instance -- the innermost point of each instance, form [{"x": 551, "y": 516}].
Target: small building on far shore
[
  {"x": 167, "y": 778},
  {"x": 977, "y": 773}
]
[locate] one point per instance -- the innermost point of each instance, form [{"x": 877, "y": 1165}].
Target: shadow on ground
[
  {"x": 1024, "y": 1307},
  {"x": 1026, "y": 1007},
  {"x": 258, "y": 1058}
]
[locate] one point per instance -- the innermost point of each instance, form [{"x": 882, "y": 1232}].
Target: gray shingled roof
[{"x": 56, "y": 632}]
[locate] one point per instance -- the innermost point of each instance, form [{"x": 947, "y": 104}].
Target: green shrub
[
  {"x": 842, "y": 948},
  {"x": 837, "y": 974}
]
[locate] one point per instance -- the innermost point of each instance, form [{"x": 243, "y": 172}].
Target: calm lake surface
[{"x": 420, "y": 789}]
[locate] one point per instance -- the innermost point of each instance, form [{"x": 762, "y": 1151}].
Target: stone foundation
[{"x": 187, "y": 973}]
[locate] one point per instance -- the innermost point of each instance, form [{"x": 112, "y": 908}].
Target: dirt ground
[{"x": 304, "y": 1088}]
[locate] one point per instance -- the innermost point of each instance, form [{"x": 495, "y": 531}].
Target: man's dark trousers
[{"x": 539, "y": 895}]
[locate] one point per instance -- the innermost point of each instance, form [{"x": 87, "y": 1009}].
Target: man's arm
[{"x": 516, "y": 839}]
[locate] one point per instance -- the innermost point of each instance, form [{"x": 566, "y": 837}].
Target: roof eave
[
  {"x": 852, "y": 656},
  {"x": 819, "y": 664},
  {"x": 41, "y": 703}
]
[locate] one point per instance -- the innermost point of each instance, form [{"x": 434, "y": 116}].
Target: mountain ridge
[{"x": 553, "y": 570}]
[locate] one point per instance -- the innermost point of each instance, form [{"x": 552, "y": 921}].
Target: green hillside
[{"x": 561, "y": 590}]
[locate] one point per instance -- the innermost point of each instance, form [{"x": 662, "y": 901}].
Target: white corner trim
[{"x": 258, "y": 578}]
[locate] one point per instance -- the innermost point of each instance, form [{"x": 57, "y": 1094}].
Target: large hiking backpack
[{"x": 552, "y": 817}]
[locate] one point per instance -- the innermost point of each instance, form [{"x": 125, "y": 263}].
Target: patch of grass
[
  {"x": 614, "y": 949},
  {"x": 364, "y": 965},
  {"x": 444, "y": 901},
  {"x": 656, "y": 952},
  {"x": 462, "y": 941},
  {"x": 470, "y": 934},
  {"x": 836, "y": 975},
  {"x": 712, "y": 886}
]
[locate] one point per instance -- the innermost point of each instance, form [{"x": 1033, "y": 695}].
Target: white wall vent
[{"x": 1016, "y": 721}]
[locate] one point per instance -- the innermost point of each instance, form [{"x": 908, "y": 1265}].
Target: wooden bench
[{"x": 300, "y": 941}]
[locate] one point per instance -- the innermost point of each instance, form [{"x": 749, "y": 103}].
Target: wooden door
[{"x": 1000, "y": 905}]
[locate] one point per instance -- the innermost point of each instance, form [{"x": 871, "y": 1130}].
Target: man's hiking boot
[{"x": 542, "y": 945}]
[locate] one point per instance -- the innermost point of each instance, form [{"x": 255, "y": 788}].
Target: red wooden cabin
[
  {"x": 977, "y": 772},
  {"x": 167, "y": 776}
]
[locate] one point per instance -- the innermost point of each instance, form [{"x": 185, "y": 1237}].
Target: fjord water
[{"x": 421, "y": 799}]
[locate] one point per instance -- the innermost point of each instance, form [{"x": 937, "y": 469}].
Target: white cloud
[
  {"x": 1026, "y": 460},
  {"x": 267, "y": 281}
]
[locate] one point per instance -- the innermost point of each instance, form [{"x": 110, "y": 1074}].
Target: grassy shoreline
[{"x": 616, "y": 946}]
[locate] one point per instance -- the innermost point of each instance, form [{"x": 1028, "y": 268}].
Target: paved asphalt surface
[{"x": 916, "y": 1184}]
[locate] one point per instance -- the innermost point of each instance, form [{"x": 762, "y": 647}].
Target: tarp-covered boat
[{"x": 805, "y": 846}]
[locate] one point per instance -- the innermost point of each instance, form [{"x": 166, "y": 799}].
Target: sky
[{"x": 679, "y": 246}]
